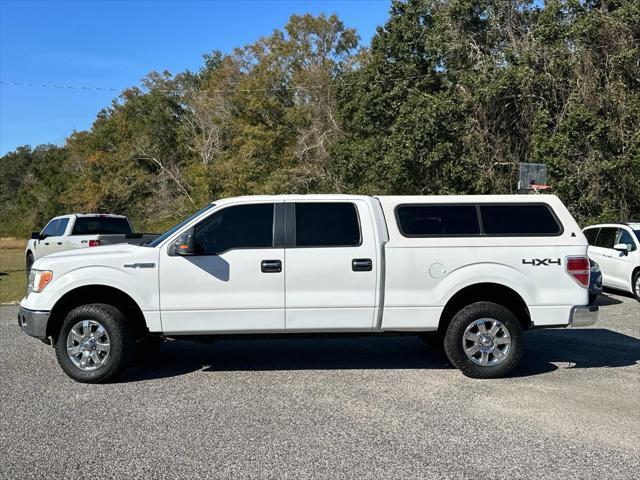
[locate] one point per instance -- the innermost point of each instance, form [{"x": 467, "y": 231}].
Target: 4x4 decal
[{"x": 541, "y": 261}]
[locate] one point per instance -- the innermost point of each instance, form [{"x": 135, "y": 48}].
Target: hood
[
  {"x": 114, "y": 256},
  {"x": 89, "y": 252}
]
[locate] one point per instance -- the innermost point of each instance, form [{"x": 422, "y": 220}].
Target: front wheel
[
  {"x": 94, "y": 344},
  {"x": 484, "y": 340},
  {"x": 28, "y": 263},
  {"x": 636, "y": 285}
]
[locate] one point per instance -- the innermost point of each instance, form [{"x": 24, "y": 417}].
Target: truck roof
[
  {"x": 110, "y": 215},
  {"x": 545, "y": 198}
]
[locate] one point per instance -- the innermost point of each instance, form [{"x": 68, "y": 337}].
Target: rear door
[{"x": 331, "y": 266}]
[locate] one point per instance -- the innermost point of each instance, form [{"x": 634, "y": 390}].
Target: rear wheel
[
  {"x": 484, "y": 340},
  {"x": 636, "y": 285},
  {"x": 94, "y": 344}
]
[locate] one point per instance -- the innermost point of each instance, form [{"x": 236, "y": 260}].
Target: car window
[
  {"x": 606, "y": 237},
  {"x": 437, "y": 220},
  {"x": 50, "y": 229},
  {"x": 61, "y": 227},
  {"x": 327, "y": 225},
  {"x": 519, "y": 219},
  {"x": 625, "y": 237},
  {"x": 591, "y": 234},
  {"x": 101, "y": 225},
  {"x": 242, "y": 226}
]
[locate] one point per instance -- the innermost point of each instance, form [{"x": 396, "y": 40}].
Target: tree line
[{"x": 449, "y": 98}]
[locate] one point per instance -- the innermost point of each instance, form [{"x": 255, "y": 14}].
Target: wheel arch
[
  {"x": 635, "y": 272},
  {"x": 486, "y": 292},
  {"x": 97, "y": 293}
]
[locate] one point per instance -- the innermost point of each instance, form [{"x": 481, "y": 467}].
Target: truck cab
[{"x": 468, "y": 272}]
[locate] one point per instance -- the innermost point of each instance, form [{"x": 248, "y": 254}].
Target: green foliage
[
  {"x": 449, "y": 98},
  {"x": 454, "y": 94}
]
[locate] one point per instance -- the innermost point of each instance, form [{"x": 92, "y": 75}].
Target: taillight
[
  {"x": 94, "y": 243},
  {"x": 578, "y": 268}
]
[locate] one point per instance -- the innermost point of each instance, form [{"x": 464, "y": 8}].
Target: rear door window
[
  {"x": 519, "y": 220},
  {"x": 327, "y": 225},
  {"x": 437, "y": 220},
  {"x": 591, "y": 234},
  {"x": 101, "y": 225},
  {"x": 606, "y": 237}
]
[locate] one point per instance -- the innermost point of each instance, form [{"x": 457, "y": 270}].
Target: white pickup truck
[
  {"x": 81, "y": 230},
  {"x": 469, "y": 273}
]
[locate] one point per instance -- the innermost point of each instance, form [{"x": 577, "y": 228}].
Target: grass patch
[{"x": 13, "y": 283}]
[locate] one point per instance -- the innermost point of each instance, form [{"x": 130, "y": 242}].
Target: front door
[
  {"x": 623, "y": 263},
  {"x": 332, "y": 266},
  {"x": 235, "y": 280},
  {"x": 54, "y": 237},
  {"x": 602, "y": 252}
]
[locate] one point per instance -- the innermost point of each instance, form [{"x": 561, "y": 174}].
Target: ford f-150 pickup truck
[
  {"x": 81, "y": 230},
  {"x": 469, "y": 273}
]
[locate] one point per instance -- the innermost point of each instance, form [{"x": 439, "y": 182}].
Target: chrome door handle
[
  {"x": 361, "y": 265},
  {"x": 271, "y": 266}
]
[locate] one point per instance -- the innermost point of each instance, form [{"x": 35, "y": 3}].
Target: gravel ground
[{"x": 330, "y": 408}]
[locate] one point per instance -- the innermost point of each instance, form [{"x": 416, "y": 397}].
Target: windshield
[{"x": 172, "y": 230}]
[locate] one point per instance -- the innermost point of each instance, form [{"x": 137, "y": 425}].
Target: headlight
[{"x": 38, "y": 279}]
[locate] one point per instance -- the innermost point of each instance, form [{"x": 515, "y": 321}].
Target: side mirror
[
  {"x": 184, "y": 245},
  {"x": 35, "y": 235},
  {"x": 621, "y": 247}
]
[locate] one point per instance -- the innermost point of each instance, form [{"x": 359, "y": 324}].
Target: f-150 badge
[
  {"x": 140, "y": 265},
  {"x": 541, "y": 261}
]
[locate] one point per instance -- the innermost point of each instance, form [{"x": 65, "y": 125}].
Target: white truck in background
[
  {"x": 81, "y": 230},
  {"x": 467, "y": 273}
]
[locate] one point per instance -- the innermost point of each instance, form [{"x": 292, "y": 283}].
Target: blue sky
[{"x": 114, "y": 44}]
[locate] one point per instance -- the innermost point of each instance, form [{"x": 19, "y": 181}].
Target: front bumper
[
  {"x": 33, "y": 322},
  {"x": 583, "y": 316}
]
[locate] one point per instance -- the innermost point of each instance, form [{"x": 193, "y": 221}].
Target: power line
[
  {"x": 47, "y": 85},
  {"x": 205, "y": 91}
]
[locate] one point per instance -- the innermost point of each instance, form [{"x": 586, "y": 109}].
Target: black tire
[
  {"x": 592, "y": 298},
  {"x": 453, "y": 341},
  {"x": 122, "y": 343},
  {"x": 634, "y": 285},
  {"x": 433, "y": 340},
  {"x": 28, "y": 263}
]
